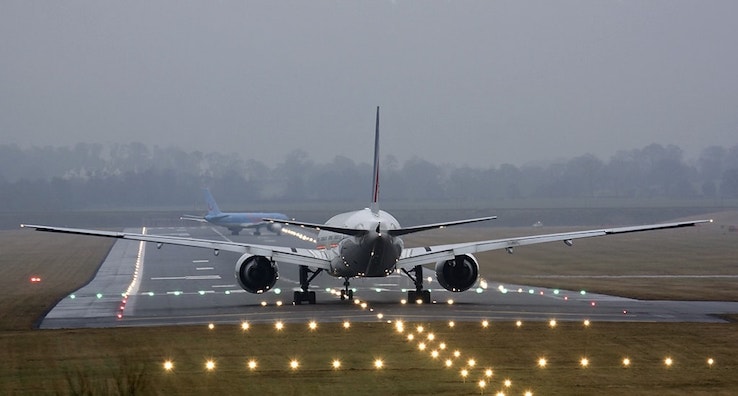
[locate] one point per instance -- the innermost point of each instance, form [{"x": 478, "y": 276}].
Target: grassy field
[{"x": 130, "y": 360}]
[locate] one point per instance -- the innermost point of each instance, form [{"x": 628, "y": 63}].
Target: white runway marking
[
  {"x": 189, "y": 277},
  {"x": 200, "y": 261},
  {"x": 221, "y": 234},
  {"x": 204, "y": 268},
  {"x": 214, "y": 286}
]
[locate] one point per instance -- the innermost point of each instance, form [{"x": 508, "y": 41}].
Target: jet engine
[
  {"x": 256, "y": 274},
  {"x": 275, "y": 228},
  {"x": 458, "y": 274}
]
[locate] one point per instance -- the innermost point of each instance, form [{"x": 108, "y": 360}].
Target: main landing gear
[
  {"x": 417, "y": 295},
  {"x": 346, "y": 292},
  {"x": 306, "y": 276}
]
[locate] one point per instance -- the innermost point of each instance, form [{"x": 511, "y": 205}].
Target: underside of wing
[
  {"x": 432, "y": 254},
  {"x": 281, "y": 254}
]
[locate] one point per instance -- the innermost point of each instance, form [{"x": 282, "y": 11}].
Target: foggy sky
[{"x": 467, "y": 82}]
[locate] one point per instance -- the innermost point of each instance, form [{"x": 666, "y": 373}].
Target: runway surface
[{"x": 177, "y": 285}]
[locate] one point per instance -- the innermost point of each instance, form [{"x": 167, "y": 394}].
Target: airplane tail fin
[
  {"x": 375, "y": 174},
  {"x": 210, "y": 201}
]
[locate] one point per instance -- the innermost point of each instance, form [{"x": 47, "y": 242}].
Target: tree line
[{"x": 138, "y": 176}]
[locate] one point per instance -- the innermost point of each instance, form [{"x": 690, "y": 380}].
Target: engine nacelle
[
  {"x": 275, "y": 228},
  {"x": 256, "y": 274},
  {"x": 459, "y": 274}
]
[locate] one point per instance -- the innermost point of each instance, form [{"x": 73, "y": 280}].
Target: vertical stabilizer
[
  {"x": 210, "y": 201},
  {"x": 375, "y": 174}
]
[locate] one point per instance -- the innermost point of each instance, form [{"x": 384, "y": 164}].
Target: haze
[{"x": 476, "y": 82}]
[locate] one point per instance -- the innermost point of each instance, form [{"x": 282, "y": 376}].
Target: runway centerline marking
[
  {"x": 204, "y": 268},
  {"x": 200, "y": 261}
]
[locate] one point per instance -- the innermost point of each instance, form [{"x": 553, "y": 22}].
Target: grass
[{"x": 130, "y": 360}]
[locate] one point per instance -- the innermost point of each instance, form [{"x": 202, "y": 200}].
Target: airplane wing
[
  {"x": 310, "y": 257},
  {"x": 433, "y": 254},
  {"x": 193, "y": 218}
]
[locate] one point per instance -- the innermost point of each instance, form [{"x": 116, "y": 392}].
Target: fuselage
[{"x": 374, "y": 253}]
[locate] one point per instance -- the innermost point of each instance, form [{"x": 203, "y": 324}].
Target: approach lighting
[
  {"x": 378, "y": 364},
  {"x": 252, "y": 364},
  {"x": 279, "y": 326},
  {"x": 294, "y": 364},
  {"x": 552, "y": 323},
  {"x": 245, "y": 326},
  {"x": 668, "y": 362},
  {"x": 336, "y": 364},
  {"x": 626, "y": 362},
  {"x": 168, "y": 365},
  {"x": 584, "y": 362},
  {"x": 210, "y": 365},
  {"x": 211, "y": 326},
  {"x": 313, "y": 325},
  {"x": 542, "y": 362},
  {"x": 710, "y": 362},
  {"x": 346, "y": 324},
  {"x": 488, "y": 373},
  {"x": 451, "y": 323},
  {"x": 508, "y": 383},
  {"x": 485, "y": 323}
]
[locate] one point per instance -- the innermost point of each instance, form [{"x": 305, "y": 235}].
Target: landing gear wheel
[
  {"x": 306, "y": 276},
  {"x": 301, "y": 296},
  {"x": 413, "y": 296},
  {"x": 417, "y": 295},
  {"x": 347, "y": 294}
]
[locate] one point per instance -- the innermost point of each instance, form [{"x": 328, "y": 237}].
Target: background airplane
[
  {"x": 364, "y": 243},
  {"x": 235, "y": 222}
]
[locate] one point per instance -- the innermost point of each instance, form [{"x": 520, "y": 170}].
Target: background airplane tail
[
  {"x": 375, "y": 174},
  {"x": 210, "y": 201}
]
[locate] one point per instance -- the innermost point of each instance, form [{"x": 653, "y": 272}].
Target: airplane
[
  {"x": 364, "y": 243},
  {"x": 235, "y": 222}
]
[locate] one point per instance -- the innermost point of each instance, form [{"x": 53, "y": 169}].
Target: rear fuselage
[{"x": 374, "y": 253}]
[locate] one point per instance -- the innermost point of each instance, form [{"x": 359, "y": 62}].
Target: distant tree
[{"x": 729, "y": 184}]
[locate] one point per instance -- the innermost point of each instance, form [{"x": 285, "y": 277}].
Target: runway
[{"x": 140, "y": 285}]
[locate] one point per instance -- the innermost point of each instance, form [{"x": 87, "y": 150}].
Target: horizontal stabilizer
[
  {"x": 320, "y": 227},
  {"x": 410, "y": 230}
]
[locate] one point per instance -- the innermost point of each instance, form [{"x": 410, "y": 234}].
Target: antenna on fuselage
[{"x": 375, "y": 174}]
